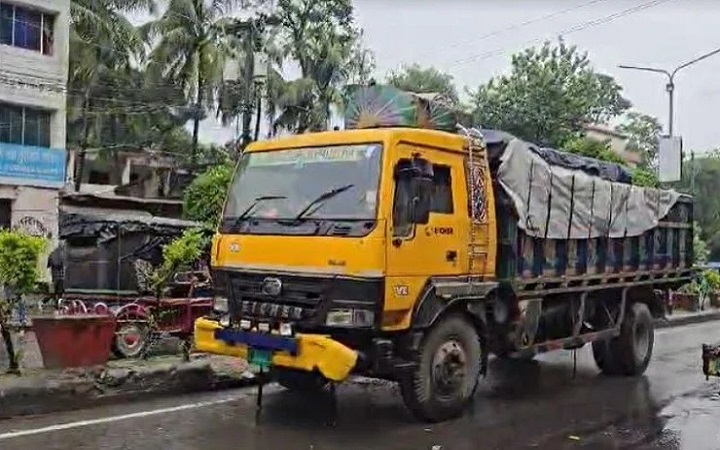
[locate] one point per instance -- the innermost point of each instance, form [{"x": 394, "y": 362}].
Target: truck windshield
[{"x": 323, "y": 183}]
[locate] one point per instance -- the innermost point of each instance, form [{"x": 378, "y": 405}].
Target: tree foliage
[
  {"x": 422, "y": 80},
  {"x": 205, "y": 197},
  {"x": 322, "y": 38},
  {"x": 19, "y": 261},
  {"x": 706, "y": 210},
  {"x": 549, "y": 95},
  {"x": 592, "y": 148},
  {"x": 700, "y": 247},
  {"x": 19, "y": 273},
  {"x": 643, "y": 132},
  {"x": 191, "y": 52},
  {"x": 178, "y": 254}
]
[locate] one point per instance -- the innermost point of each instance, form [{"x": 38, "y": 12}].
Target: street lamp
[{"x": 670, "y": 87}]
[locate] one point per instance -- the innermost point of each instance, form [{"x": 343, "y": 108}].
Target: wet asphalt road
[{"x": 520, "y": 405}]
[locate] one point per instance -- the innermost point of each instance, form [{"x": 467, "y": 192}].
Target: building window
[
  {"x": 26, "y": 28},
  {"x": 24, "y": 126}
]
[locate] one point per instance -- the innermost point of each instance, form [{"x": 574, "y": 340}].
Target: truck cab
[{"x": 335, "y": 240}]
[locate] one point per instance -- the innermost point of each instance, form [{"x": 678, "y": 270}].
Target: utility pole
[
  {"x": 670, "y": 88},
  {"x": 247, "y": 107},
  {"x": 250, "y": 32}
]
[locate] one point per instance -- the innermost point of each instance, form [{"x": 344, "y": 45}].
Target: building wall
[
  {"x": 618, "y": 143},
  {"x": 31, "y": 176}
]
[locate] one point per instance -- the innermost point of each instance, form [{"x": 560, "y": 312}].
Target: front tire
[
  {"x": 629, "y": 353},
  {"x": 447, "y": 372}
]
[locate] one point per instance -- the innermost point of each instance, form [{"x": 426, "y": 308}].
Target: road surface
[{"x": 536, "y": 405}]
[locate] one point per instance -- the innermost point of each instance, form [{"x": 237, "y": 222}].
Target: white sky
[{"x": 451, "y": 35}]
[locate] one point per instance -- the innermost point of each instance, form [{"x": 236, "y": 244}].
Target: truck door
[{"x": 418, "y": 252}]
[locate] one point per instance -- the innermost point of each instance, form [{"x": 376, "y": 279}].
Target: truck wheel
[
  {"x": 299, "y": 381},
  {"x": 447, "y": 373},
  {"x": 628, "y": 354}
]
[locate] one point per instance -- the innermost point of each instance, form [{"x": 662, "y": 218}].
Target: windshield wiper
[
  {"x": 243, "y": 215},
  {"x": 322, "y": 198}
]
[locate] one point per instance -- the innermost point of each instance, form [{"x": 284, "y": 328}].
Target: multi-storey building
[{"x": 34, "y": 45}]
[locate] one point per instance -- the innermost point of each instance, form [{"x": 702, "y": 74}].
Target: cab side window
[
  {"x": 441, "y": 201},
  {"x": 402, "y": 201}
]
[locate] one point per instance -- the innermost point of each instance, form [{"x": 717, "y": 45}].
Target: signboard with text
[{"x": 32, "y": 166}]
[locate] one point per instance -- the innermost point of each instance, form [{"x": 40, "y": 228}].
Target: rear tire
[
  {"x": 629, "y": 353},
  {"x": 299, "y": 381},
  {"x": 448, "y": 367}
]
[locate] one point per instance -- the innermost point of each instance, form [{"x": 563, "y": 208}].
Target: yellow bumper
[{"x": 315, "y": 352}]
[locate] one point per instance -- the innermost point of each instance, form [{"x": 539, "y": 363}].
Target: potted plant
[{"x": 19, "y": 274}]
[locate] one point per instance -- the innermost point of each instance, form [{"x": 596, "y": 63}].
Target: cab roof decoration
[{"x": 380, "y": 106}]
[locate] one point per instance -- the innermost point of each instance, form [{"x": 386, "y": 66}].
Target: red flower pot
[{"x": 74, "y": 340}]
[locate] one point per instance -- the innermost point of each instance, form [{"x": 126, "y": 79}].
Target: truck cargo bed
[{"x": 638, "y": 253}]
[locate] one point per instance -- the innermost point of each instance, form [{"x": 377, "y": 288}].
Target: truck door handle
[{"x": 451, "y": 255}]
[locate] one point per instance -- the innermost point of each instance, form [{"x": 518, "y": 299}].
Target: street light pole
[{"x": 670, "y": 88}]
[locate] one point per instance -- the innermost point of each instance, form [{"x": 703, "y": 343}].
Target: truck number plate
[{"x": 260, "y": 358}]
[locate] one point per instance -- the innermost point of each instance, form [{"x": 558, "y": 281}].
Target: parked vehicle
[
  {"x": 107, "y": 255},
  {"x": 412, "y": 254}
]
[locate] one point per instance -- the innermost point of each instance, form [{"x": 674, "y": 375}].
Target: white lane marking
[{"x": 110, "y": 419}]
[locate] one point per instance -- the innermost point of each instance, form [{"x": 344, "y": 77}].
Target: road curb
[
  {"x": 37, "y": 395},
  {"x": 673, "y": 322}
]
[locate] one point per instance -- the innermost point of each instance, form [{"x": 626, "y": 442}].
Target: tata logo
[
  {"x": 401, "y": 290},
  {"x": 234, "y": 247},
  {"x": 272, "y": 286}
]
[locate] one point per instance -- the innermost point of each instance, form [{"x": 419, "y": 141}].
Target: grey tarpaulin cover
[{"x": 557, "y": 202}]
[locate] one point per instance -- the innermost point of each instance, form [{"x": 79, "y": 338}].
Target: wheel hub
[
  {"x": 130, "y": 339},
  {"x": 449, "y": 368}
]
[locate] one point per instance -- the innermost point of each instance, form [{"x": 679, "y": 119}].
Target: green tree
[
  {"x": 593, "y": 148},
  {"x": 102, "y": 41},
  {"x": 643, "y": 132},
  {"x": 550, "y": 94},
  {"x": 190, "y": 52},
  {"x": 423, "y": 80},
  {"x": 645, "y": 177},
  {"x": 205, "y": 197},
  {"x": 706, "y": 210},
  {"x": 700, "y": 247},
  {"x": 322, "y": 39},
  {"x": 19, "y": 264}
]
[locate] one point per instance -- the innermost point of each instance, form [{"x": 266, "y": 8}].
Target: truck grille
[{"x": 299, "y": 297}]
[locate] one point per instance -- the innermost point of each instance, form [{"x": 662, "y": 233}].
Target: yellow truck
[{"x": 412, "y": 254}]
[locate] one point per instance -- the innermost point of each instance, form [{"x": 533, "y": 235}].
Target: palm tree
[
  {"x": 191, "y": 45},
  {"x": 102, "y": 40},
  {"x": 322, "y": 39}
]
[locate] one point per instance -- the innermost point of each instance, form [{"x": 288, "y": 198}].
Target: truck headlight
[
  {"x": 220, "y": 304},
  {"x": 346, "y": 317}
]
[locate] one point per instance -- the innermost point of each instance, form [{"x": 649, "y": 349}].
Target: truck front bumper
[{"x": 306, "y": 352}]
